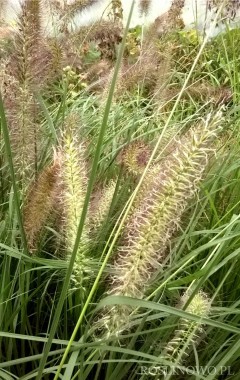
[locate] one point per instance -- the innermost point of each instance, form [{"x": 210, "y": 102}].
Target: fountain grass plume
[
  {"x": 73, "y": 178},
  {"x": 144, "y": 6},
  {"x": 134, "y": 157},
  {"x": 169, "y": 21},
  {"x": 26, "y": 68},
  {"x": 188, "y": 332},
  {"x": 148, "y": 231},
  {"x": 21, "y": 111},
  {"x": 100, "y": 205},
  {"x": 40, "y": 203},
  {"x": 70, "y": 9}
]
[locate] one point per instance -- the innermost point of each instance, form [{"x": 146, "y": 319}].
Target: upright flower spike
[
  {"x": 40, "y": 202},
  {"x": 134, "y": 157},
  {"x": 73, "y": 177},
  {"x": 117, "y": 10},
  {"x": 170, "y": 20},
  {"x": 188, "y": 331},
  {"x": 100, "y": 204},
  {"x": 30, "y": 62},
  {"x": 150, "y": 227},
  {"x": 144, "y": 6},
  {"x": 26, "y": 67}
]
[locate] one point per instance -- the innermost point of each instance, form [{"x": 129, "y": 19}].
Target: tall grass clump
[{"x": 119, "y": 196}]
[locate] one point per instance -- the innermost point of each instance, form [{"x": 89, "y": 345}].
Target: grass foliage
[{"x": 119, "y": 199}]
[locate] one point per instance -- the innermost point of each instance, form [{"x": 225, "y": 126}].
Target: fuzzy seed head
[
  {"x": 100, "y": 204},
  {"x": 144, "y": 6},
  {"x": 188, "y": 331},
  {"x": 40, "y": 202},
  {"x": 134, "y": 157},
  {"x": 199, "y": 305},
  {"x": 73, "y": 179}
]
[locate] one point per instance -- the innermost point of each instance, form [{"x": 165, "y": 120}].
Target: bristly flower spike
[
  {"x": 40, "y": 203},
  {"x": 73, "y": 177},
  {"x": 188, "y": 332}
]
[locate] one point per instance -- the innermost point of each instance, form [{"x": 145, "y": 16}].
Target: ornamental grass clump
[
  {"x": 148, "y": 230},
  {"x": 73, "y": 180}
]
